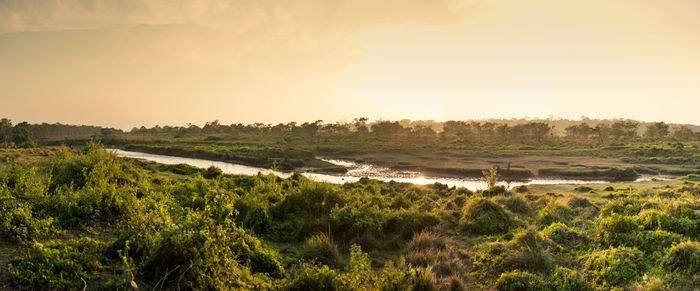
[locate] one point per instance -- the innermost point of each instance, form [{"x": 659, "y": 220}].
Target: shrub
[
  {"x": 408, "y": 222},
  {"x": 208, "y": 255},
  {"x": 484, "y": 217},
  {"x": 554, "y": 213},
  {"x": 520, "y": 281},
  {"x": 321, "y": 249},
  {"x": 562, "y": 234},
  {"x": 652, "y": 219},
  {"x": 618, "y": 230},
  {"x": 579, "y": 202},
  {"x": 312, "y": 277},
  {"x": 656, "y": 240},
  {"x": 614, "y": 267},
  {"x": 528, "y": 251},
  {"x": 583, "y": 189},
  {"x": 565, "y": 279},
  {"x": 625, "y": 206},
  {"x": 212, "y": 172},
  {"x": 18, "y": 223},
  {"x": 405, "y": 277},
  {"x": 436, "y": 251},
  {"x": 352, "y": 222},
  {"x": 683, "y": 257},
  {"x": 517, "y": 204},
  {"x": 58, "y": 264}
]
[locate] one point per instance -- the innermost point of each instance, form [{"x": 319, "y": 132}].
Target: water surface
[{"x": 355, "y": 172}]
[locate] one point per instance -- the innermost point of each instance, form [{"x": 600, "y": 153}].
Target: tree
[
  {"x": 386, "y": 128},
  {"x": 581, "y": 131},
  {"x": 657, "y": 130},
  {"x": 5, "y": 128},
  {"x": 684, "y": 133},
  {"x": 624, "y": 129},
  {"x": 360, "y": 125},
  {"x": 22, "y": 136}
]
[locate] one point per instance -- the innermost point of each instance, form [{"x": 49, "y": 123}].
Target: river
[{"x": 355, "y": 172}]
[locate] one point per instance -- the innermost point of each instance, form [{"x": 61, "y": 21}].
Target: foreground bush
[
  {"x": 517, "y": 281},
  {"x": 203, "y": 254},
  {"x": 614, "y": 266},
  {"x": 484, "y": 217},
  {"x": 319, "y": 248},
  {"x": 684, "y": 257},
  {"x": 57, "y": 264}
]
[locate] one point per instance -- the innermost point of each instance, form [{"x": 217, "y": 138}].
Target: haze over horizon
[{"x": 131, "y": 63}]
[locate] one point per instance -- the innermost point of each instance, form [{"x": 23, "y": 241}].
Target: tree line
[{"x": 25, "y": 134}]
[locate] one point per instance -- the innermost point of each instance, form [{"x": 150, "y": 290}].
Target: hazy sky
[{"x": 145, "y": 62}]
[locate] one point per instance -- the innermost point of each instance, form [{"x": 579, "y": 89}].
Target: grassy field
[{"x": 74, "y": 219}]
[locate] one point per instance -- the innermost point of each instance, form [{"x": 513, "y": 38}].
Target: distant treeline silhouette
[
  {"x": 25, "y": 134},
  {"x": 493, "y": 131},
  {"x": 526, "y": 132}
]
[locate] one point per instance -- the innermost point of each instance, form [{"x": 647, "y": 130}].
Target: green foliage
[
  {"x": 204, "y": 254},
  {"x": 56, "y": 264},
  {"x": 17, "y": 222},
  {"x": 517, "y": 204},
  {"x": 617, "y": 230},
  {"x": 408, "y": 222},
  {"x": 614, "y": 266},
  {"x": 321, "y": 249},
  {"x": 212, "y": 172},
  {"x": 482, "y": 216},
  {"x": 565, "y": 279},
  {"x": 491, "y": 177},
  {"x": 163, "y": 231},
  {"x": 564, "y": 235},
  {"x": 517, "y": 281},
  {"x": 351, "y": 222},
  {"x": 314, "y": 278},
  {"x": 554, "y": 213},
  {"x": 683, "y": 257}
]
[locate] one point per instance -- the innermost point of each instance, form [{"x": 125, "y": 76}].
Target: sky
[{"x": 162, "y": 62}]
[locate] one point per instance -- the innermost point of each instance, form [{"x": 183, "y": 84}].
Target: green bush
[
  {"x": 564, "y": 235},
  {"x": 320, "y": 248},
  {"x": 583, "y": 189},
  {"x": 565, "y": 279},
  {"x": 554, "y": 213},
  {"x": 408, "y": 222},
  {"x": 204, "y": 254},
  {"x": 352, "y": 223},
  {"x": 517, "y": 204},
  {"x": 212, "y": 172},
  {"x": 656, "y": 240},
  {"x": 404, "y": 277},
  {"x": 56, "y": 264},
  {"x": 579, "y": 202},
  {"x": 484, "y": 217},
  {"x": 18, "y": 223},
  {"x": 617, "y": 230},
  {"x": 314, "y": 278},
  {"x": 438, "y": 252},
  {"x": 520, "y": 281},
  {"x": 683, "y": 257},
  {"x": 614, "y": 267},
  {"x": 651, "y": 219},
  {"x": 529, "y": 251}
]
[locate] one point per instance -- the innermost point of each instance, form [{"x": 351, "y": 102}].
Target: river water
[{"x": 355, "y": 172}]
